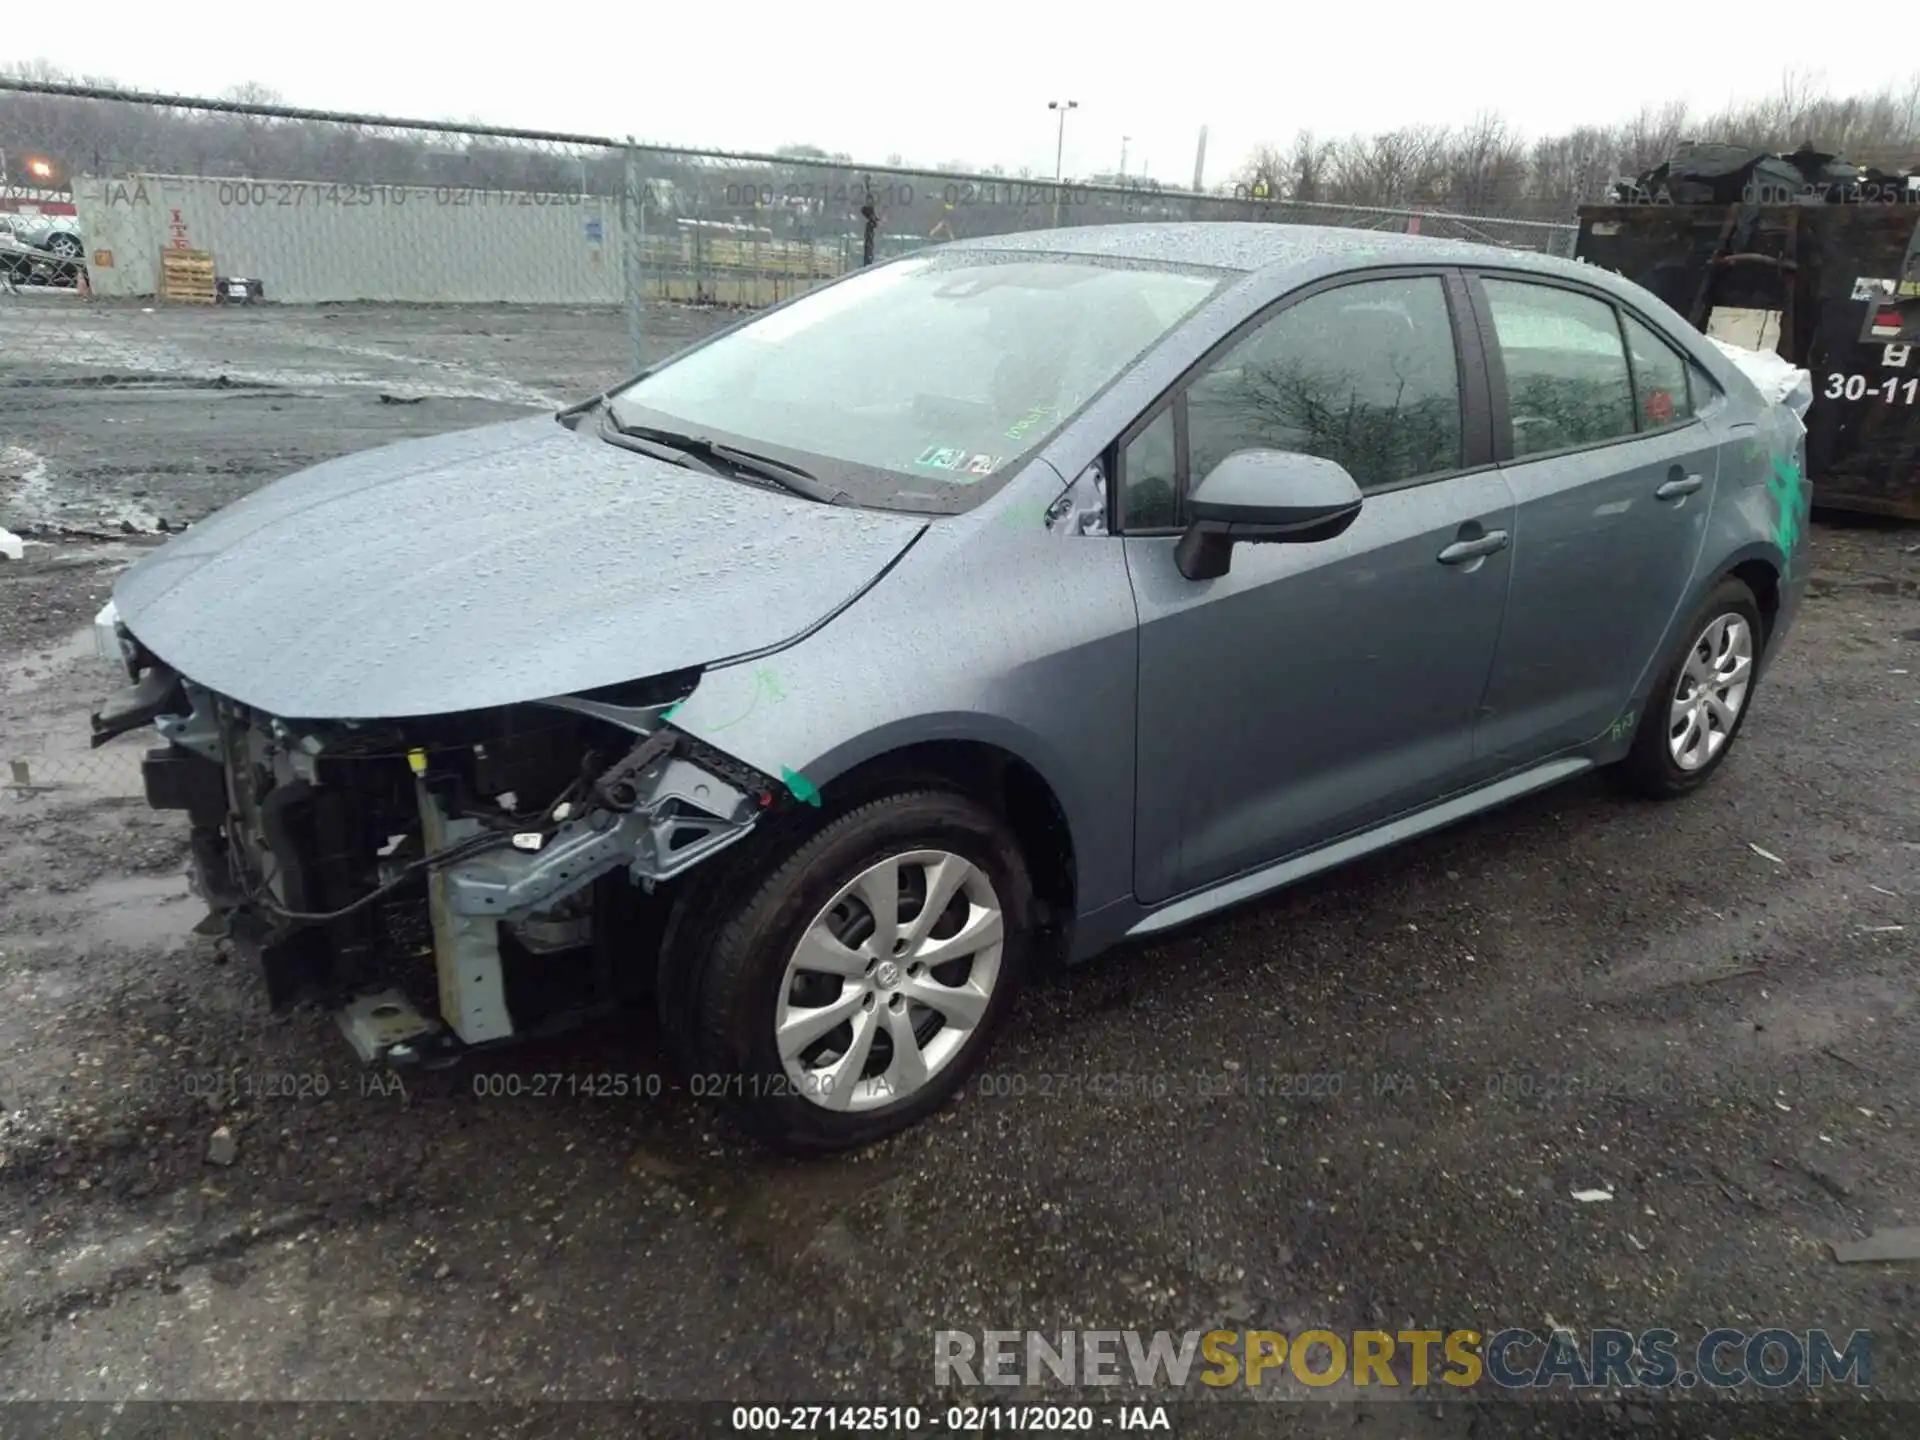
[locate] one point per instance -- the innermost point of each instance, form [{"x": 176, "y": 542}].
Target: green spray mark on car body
[
  {"x": 801, "y": 788},
  {"x": 1789, "y": 491},
  {"x": 766, "y": 686},
  {"x": 1621, "y": 728}
]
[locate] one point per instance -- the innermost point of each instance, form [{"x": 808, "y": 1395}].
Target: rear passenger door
[{"x": 1607, "y": 438}]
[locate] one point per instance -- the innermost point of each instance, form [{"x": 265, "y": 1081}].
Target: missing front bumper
[
  {"x": 294, "y": 849},
  {"x": 654, "y": 815}
]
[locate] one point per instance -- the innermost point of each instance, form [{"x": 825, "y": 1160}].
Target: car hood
[{"x": 507, "y": 563}]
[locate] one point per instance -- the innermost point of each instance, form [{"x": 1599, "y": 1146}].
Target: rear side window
[
  {"x": 1659, "y": 378},
  {"x": 1567, "y": 379}
]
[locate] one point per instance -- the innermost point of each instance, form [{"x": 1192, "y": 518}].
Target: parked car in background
[
  {"x": 981, "y": 609},
  {"x": 56, "y": 234},
  {"x": 40, "y": 249},
  {"x": 16, "y": 259}
]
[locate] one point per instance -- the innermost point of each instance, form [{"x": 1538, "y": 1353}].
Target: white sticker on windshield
[{"x": 809, "y": 310}]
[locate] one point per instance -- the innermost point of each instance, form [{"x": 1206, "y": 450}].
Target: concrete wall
[{"x": 312, "y": 242}]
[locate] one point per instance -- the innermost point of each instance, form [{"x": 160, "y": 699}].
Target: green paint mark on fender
[
  {"x": 1789, "y": 491},
  {"x": 766, "y": 686},
  {"x": 668, "y": 713},
  {"x": 1621, "y": 728},
  {"x": 802, "y": 788}
]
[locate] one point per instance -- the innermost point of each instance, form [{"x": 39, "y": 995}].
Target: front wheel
[
  {"x": 1701, "y": 698},
  {"x": 862, "y": 975}
]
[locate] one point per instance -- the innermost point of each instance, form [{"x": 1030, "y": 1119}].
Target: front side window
[
  {"x": 1567, "y": 382},
  {"x": 1363, "y": 374},
  {"x": 917, "y": 384}
]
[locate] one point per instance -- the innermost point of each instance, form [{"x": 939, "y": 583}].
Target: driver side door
[{"x": 1318, "y": 688}]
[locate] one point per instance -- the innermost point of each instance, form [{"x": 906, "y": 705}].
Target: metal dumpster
[{"x": 1842, "y": 283}]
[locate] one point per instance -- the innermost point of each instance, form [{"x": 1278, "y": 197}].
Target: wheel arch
[
  {"x": 1015, "y": 785},
  {"x": 1760, "y": 573},
  {"x": 1757, "y": 566}
]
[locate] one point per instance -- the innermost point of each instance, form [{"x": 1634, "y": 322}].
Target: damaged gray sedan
[{"x": 979, "y": 610}]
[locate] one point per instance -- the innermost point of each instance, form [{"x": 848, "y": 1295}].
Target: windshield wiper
[
  {"x": 763, "y": 467},
  {"x": 791, "y": 477},
  {"x": 614, "y": 433}
]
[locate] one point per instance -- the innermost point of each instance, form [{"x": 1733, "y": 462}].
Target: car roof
[
  {"x": 1253, "y": 245},
  {"x": 1285, "y": 255}
]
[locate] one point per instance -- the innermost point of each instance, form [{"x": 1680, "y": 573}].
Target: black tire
[
  {"x": 1649, "y": 768},
  {"x": 725, "y": 955}
]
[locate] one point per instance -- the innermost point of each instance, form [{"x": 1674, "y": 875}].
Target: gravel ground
[
  {"x": 115, "y": 414},
  {"x": 1705, "y": 1009}
]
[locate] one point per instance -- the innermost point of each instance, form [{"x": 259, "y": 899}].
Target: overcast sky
[{"x": 962, "y": 81}]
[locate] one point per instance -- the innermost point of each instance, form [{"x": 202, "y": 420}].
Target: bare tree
[
  {"x": 36, "y": 71},
  {"x": 1800, "y": 92},
  {"x": 1907, "y": 110},
  {"x": 252, "y": 92},
  {"x": 1262, "y": 175},
  {"x": 1398, "y": 167},
  {"x": 1487, "y": 166},
  {"x": 1307, "y": 166},
  {"x": 1651, "y": 135}
]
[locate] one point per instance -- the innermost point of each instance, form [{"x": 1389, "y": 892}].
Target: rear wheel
[
  {"x": 862, "y": 974},
  {"x": 1701, "y": 698}
]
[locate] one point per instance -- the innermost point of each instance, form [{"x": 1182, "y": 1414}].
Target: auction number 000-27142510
[{"x": 1859, "y": 387}]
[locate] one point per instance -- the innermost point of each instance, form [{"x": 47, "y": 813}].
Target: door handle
[
  {"x": 1462, "y": 551},
  {"x": 1680, "y": 485}
]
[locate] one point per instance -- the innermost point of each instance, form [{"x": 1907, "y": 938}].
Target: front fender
[{"x": 986, "y": 632}]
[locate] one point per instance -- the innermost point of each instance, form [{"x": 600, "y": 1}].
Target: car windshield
[{"x": 917, "y": 385}]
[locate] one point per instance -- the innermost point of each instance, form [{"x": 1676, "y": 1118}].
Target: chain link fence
[
  {"x": 199, "y": 296},
  {"x": 750, "y": 230},
  {"x": 153, "y": 196}
]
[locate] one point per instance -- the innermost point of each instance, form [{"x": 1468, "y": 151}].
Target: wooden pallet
[{"x": 187, "y": 275}]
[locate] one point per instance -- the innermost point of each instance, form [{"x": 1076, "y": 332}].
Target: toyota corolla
[{"x": 977, "y": 611}]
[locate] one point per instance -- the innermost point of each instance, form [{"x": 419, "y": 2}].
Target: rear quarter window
[{"x": 1662, "y": 378}]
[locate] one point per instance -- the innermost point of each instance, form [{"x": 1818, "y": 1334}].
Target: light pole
[
  {"x": 1059, "y": 150},
  {"x": 1124, "y": 139}
]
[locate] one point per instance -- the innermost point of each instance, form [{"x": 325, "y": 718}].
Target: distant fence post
[
  {"x": 870, "y": 226},
  {"x": 633, "y": 258}
]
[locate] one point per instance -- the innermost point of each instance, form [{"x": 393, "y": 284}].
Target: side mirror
[{"x": 1263, "y": 497}]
